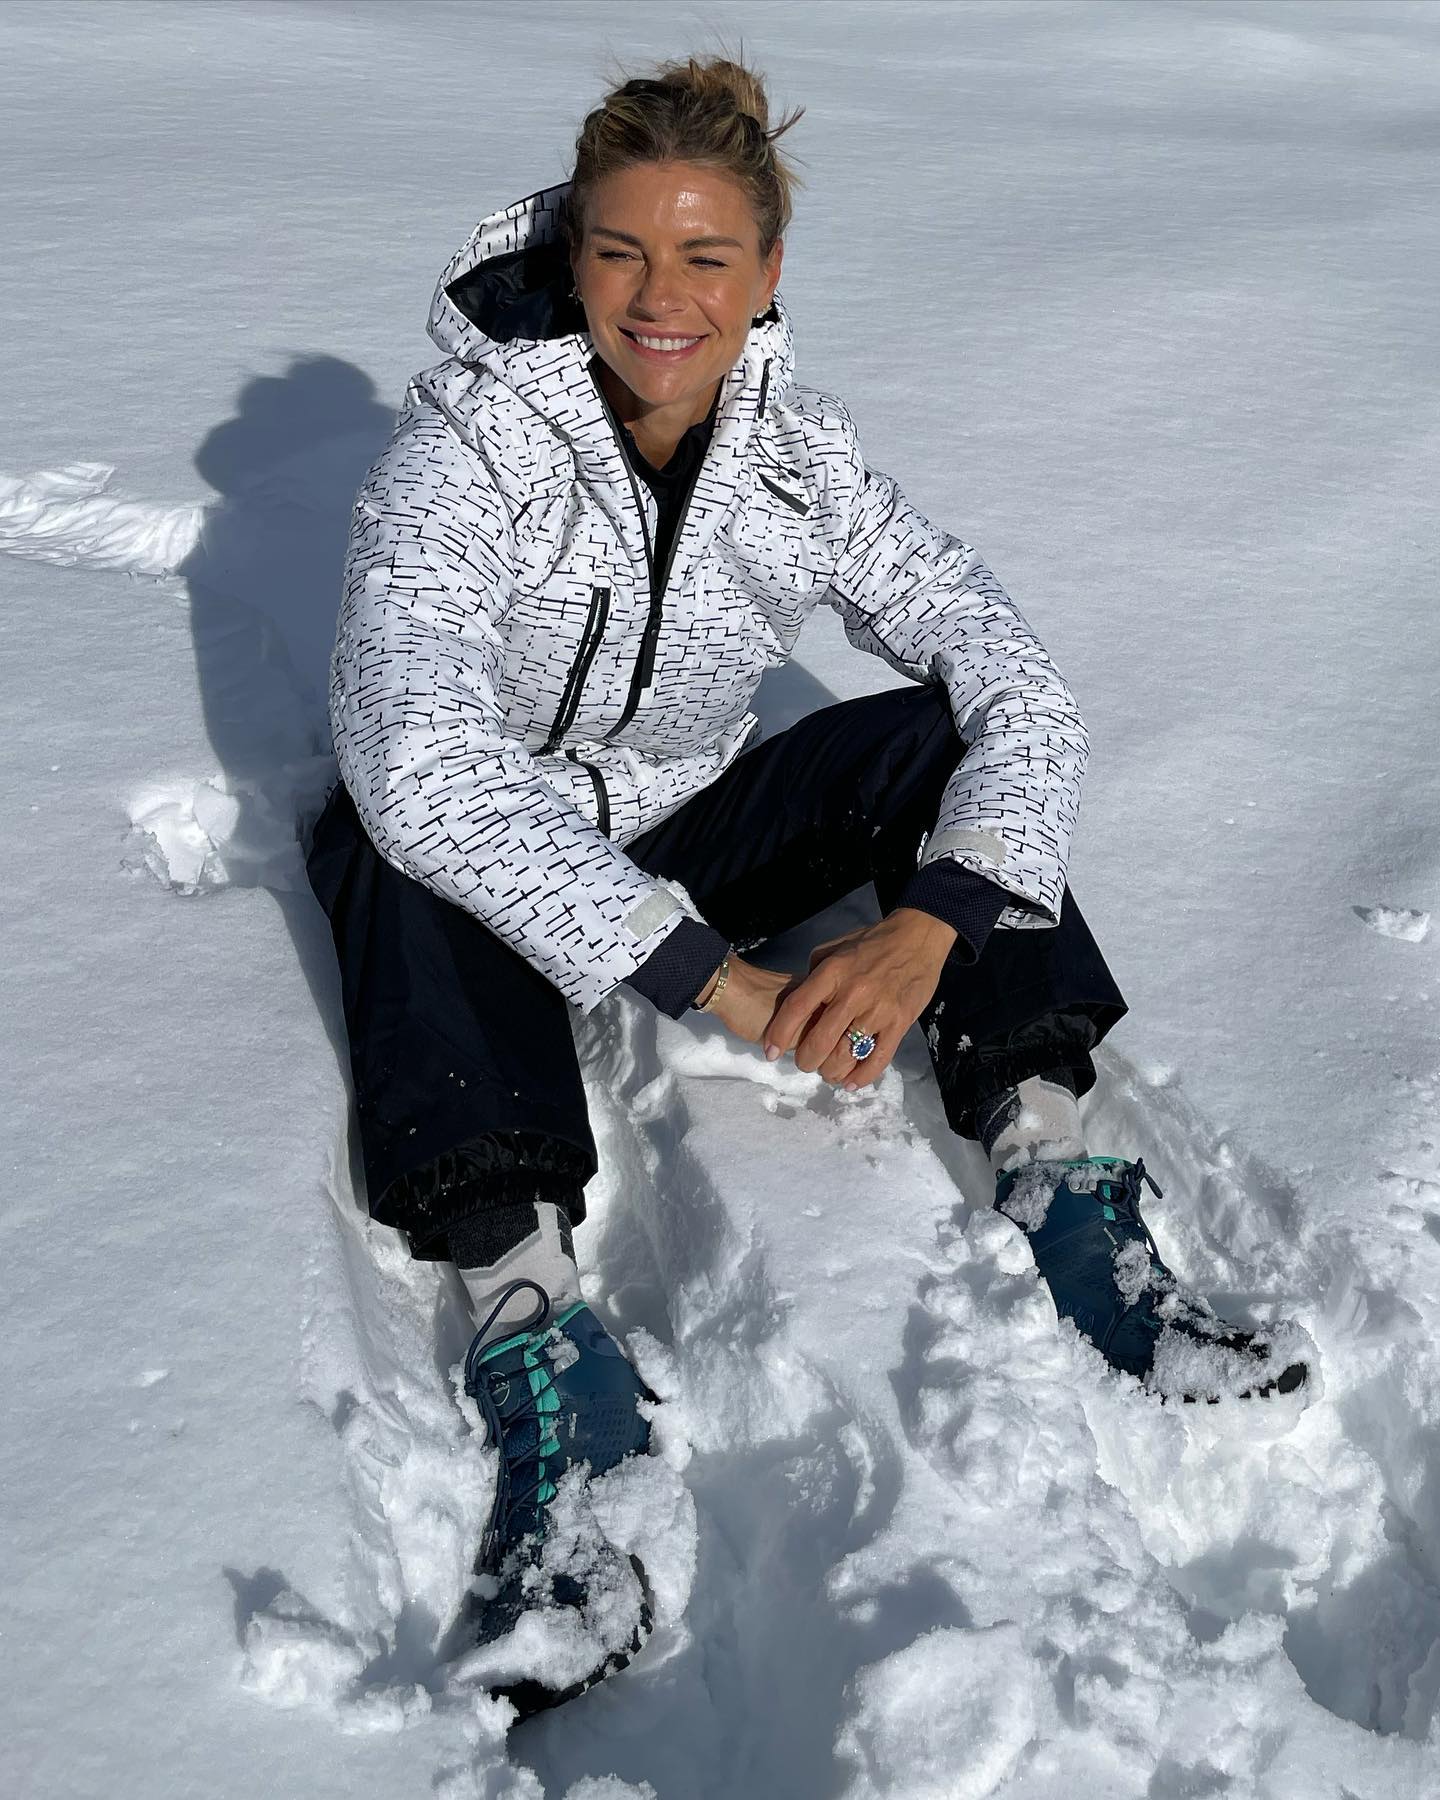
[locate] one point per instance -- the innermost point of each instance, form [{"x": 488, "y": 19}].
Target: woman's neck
[{"x": 657, "y": 430}]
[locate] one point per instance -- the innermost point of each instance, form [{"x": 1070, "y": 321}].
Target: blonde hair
[{"x": 713, "y": 112}]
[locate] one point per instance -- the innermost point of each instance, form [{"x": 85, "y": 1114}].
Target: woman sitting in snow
[{"x": 601, "y": 518}]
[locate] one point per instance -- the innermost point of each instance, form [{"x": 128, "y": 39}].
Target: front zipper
[
  {"x": 580, "y": 668},
  {"x": 644, "y": 661},
  {"x": 650, "y": 637}
]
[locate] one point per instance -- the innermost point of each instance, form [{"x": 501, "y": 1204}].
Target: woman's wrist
[
  {"x": 714, "y": 987},
  {"x": 936, "y": 934}
]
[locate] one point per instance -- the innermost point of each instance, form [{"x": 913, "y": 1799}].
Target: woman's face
[{"x": 670, "y": 275}]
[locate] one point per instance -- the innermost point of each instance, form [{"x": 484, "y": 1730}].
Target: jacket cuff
[
  {"x": 962, "y": 899},
  {"x": 679, "y": 966}
]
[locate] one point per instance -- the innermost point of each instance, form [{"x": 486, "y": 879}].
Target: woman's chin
[{"x": 667, "y": 389}]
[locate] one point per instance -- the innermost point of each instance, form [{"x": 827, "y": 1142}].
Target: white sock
[
  {"x": 545, "y": 1257},
  {"x": 1035, "y": 1121}
]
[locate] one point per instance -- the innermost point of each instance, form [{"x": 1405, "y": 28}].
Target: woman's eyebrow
[{"x": 694, "y": 243}]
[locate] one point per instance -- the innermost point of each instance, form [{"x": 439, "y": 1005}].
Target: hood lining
[{"x": 522, "y": 293}]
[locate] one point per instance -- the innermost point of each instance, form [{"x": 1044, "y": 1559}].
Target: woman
[{"x": 600, "y": 519}]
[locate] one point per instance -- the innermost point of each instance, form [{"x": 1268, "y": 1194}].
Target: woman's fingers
[
  {"x": 845, "y": 1067},
  {"x": 796, "y": 1010},
  {"x": 813, "y": 1021},
  {"x": 818, "y": 1049},
  {"x": 875, "y": 980},
  {"x": 865, "y": 1074},
  {"x": 841, "y": 1064}
]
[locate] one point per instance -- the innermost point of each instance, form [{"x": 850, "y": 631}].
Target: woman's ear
[{"x": 772, "y": 271}]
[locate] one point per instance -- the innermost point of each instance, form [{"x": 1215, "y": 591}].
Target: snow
[
  {"x": 1140, "y": 298},
  {"x": 1397, "y": 922},
  {"x": 1132, "y": 1270},
  {"x": 959, "y": 1750},
  {"x": 600, "y": 1534}
]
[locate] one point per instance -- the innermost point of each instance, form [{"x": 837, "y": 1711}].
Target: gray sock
[
  {"x": 544, "y": 1256},
  {"x": 1036, "y": 1121}
]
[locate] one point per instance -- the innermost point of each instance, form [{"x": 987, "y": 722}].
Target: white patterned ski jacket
[{"x": 517, "y": 692}]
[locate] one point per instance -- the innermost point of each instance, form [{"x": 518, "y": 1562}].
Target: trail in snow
[
  {"x": 250, "y": 567},
  {"x": 65, "y": 516},
  {"x": 1397, "y": 922}
]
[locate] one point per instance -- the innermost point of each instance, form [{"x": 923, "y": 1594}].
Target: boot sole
[{"x": 530, "y": 1697}]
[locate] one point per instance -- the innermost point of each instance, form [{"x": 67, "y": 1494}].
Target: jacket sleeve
[
  {"x": 926, "y": 603},
  {"x": 444, "y": 794}
]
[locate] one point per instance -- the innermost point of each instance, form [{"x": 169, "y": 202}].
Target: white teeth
[{"x": 664, "y": 343}]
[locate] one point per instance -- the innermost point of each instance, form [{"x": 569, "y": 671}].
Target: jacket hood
[{"x": 504, "y": 303}]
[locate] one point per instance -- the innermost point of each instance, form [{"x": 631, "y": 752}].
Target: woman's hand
[
  {"x": 878, "y": 979},
  {"x": 750, "y": 998}
]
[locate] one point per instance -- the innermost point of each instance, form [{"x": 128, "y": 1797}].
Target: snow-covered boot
[
  {"x": 1104, "y": 1272},
  {"x": 555, "y": 1607}
]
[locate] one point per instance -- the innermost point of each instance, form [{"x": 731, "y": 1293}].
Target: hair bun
[{"x": 712, "y": 112}]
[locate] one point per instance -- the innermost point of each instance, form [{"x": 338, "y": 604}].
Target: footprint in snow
[{"x": 1396, "y": 922}]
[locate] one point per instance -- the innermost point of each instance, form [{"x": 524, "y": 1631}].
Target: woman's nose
[{"x": 659, "y": 291}]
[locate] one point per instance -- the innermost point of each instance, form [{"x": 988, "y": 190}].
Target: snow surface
[{"x": 1139, "y": 297}]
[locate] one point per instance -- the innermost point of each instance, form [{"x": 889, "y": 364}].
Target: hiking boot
[
  {"x": 1104, "y": 1272},
  {"x": 559, "y": 1400}
]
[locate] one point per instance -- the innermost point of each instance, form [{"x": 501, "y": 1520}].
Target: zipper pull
[
  {"x": 646, "y": 666},
  {"x": 764, "y": 389}
]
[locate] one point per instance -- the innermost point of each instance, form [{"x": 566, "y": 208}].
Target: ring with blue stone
[{"x": 861, "y": 1043}]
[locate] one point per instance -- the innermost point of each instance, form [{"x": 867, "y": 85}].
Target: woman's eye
[{"x": 703, "y": 262}]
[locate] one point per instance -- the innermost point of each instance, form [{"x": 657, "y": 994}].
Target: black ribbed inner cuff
[
  {"x": 970, "y": 1078},
  {"x": 965, "y": 901},
  {"x": 493, "y": 1231},
  {"x": 496, "y": 1170},
  {"x": 679, "y": 966},
  {"x": 992, "y": 1113}
]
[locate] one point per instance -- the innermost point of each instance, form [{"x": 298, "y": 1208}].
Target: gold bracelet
[{"x": 719, "y": 988}]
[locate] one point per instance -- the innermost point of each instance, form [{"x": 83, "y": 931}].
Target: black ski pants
[{"x": 456, "y": 1040}]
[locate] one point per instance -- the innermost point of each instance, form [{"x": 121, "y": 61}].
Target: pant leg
[
  {"x": 1036, "y": 1000},
  {"x": 846, "y": 796},
  {"x": 798, "y": 821},
  {"x": 465, "y": 1072}
]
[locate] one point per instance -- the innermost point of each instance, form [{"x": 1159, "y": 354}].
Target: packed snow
[{"x": 1140, "y": 298}]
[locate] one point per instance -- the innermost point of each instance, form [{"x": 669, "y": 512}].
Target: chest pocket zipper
[
  {"x": 580, "y": 668},
  {"x": 796, "y": 502}
]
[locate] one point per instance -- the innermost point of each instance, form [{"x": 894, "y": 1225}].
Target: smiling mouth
[{"x": 662, "y": 349}]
